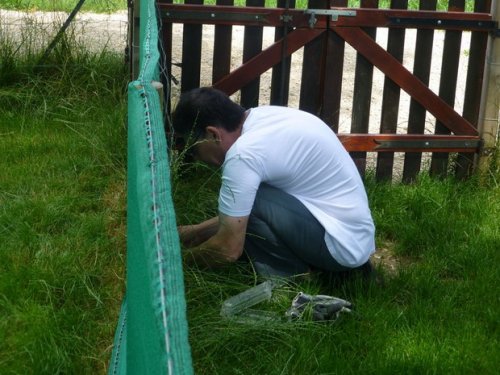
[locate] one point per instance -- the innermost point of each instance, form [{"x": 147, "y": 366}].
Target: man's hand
[{"x": 226, "y": 245}]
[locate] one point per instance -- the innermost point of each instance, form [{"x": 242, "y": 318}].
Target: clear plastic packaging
[
  {"x": 256, "y": 316},
  {"x": 246, "y": 299}
]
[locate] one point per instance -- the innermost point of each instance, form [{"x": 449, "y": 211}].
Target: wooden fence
[{"x": 401, "y": 88}]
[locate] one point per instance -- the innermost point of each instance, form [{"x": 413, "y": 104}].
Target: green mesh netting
[{"x": 152, "y": 334}]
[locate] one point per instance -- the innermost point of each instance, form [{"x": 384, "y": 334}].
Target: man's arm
[
  {"x": 225, "y": 246},
  {"x": 194, "y": 235}
]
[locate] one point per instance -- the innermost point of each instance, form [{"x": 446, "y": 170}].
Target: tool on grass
[{"x": 321, "y": 307}]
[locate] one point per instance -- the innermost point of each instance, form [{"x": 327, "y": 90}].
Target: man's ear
[{"x": 213, "y": 133}]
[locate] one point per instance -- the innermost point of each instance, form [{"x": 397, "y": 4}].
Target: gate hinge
[{"x": 333, "y": 13}]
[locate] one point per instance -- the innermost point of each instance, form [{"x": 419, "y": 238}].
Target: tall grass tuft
[
  {"x": 64, "y": 5},
  {"x": 435, "y": 314},
  {"x": 62, "y": 207}
]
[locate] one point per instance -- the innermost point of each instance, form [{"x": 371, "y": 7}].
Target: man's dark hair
[{"x": 205, "y": 106}]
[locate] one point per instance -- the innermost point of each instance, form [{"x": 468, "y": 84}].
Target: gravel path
[
  {"x": 98, "y": 31},
  {"x": 34, "y": 30}
]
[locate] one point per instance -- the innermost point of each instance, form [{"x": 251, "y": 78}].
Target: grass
[
  {"x": 62, "y": 210},
  {"x": 437, "y": 314},
  {"x": 62, "y": 249},
  {"x": 101, "y": 6}
]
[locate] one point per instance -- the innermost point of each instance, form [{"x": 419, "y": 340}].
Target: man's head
[
  {"x": 206, "y": 106},
  {"x": 207, "y": 115}
]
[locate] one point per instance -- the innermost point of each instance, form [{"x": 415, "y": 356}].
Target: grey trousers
[{"x": 283, "y": 238}]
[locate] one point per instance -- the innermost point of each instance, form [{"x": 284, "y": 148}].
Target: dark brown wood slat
[
  {"x": 252, "y": 46},
  {"x": 222, "y": 47},
  {"x": 191, "y": 54},
  {"x": 399, "y": 74},
  {"x": 280, "y": 79},
  {"x": 332, "y": 93},
  {"x": 391, "y": 96},
  {"x": 227, "y": 15},
  {"x": 417, "y": 142},
  {"x": 363, "y": 82},
  {"x": 473, "y": 87},
  {"x": 451, "y": 20},
  {"x": 312, "y": 69},
  {"x": 448, "y": 86},
  {"x": 166, "y": 64},
  {"x": 365, "y": 17},
  {"x": 417, "y": 113},
  {"x": 265, "y": 60}
]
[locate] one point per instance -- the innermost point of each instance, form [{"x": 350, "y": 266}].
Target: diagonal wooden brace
[
  {"x": 266, "y": 60},
  {"x": 392, "y": 68}
]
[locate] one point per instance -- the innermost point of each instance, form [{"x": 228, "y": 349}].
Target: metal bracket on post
[{"x": 333, "y": 13}]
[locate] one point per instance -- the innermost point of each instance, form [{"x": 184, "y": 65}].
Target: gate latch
[{"x": 333, "y": 13}]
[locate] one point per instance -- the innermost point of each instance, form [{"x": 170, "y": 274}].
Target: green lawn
[
  {"x": 62, "y": 215},
  {"x": 62, "y": 251},
  {"x": 437, "y": 314}
]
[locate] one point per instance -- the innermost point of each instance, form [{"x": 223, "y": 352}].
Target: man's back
[{"x": 299, "y": 154}]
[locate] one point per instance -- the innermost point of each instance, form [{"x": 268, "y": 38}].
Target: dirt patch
[
  {"x": 385, "y": 258},
  {"x": 33, "y": 31},
  {"x": 99, "y": 31}
]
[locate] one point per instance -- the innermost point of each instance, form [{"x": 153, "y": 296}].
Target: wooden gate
[{"x": 321, "y": 33}]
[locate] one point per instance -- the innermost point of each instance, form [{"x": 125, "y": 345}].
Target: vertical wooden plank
[
  {"x": 191, "y": 54},
  {"x": 334, "y": 67},
  {"x": 421, "y": 69},
  {"x": 488, "y": 161},
  {"x": 391, "y": 96},
  {"x": 363, "y": 83},
  {"x": 473, "y": 86},
  {"x": 222, "y": 47},
  {"x": 166, "y": 66},
  {"x": 252, "y": 45},
  {"x": 311, "y": 87},
  {"x": 448, "y": 85},
  {"x": 280, "y": 79}
]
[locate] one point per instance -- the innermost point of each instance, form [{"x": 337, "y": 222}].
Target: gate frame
[{"x": 466, "y": 138}]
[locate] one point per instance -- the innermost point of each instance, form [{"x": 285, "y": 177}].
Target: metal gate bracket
[
  {"x": 333, "y": 13},
  {"x": 430, "y": 144}
]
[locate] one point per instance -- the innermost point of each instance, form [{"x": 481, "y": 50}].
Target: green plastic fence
[{"x": 152, "y": 333}]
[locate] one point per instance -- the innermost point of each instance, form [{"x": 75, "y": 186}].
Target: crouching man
[{"x": 291, "y": 197}]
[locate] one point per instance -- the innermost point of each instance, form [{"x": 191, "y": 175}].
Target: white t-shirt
[{"x": 298, "y": 153}]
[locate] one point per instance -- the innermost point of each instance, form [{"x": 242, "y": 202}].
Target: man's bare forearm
[
  {"x": 223, "y": 246},
  {"x": 194, "y": 235}
]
